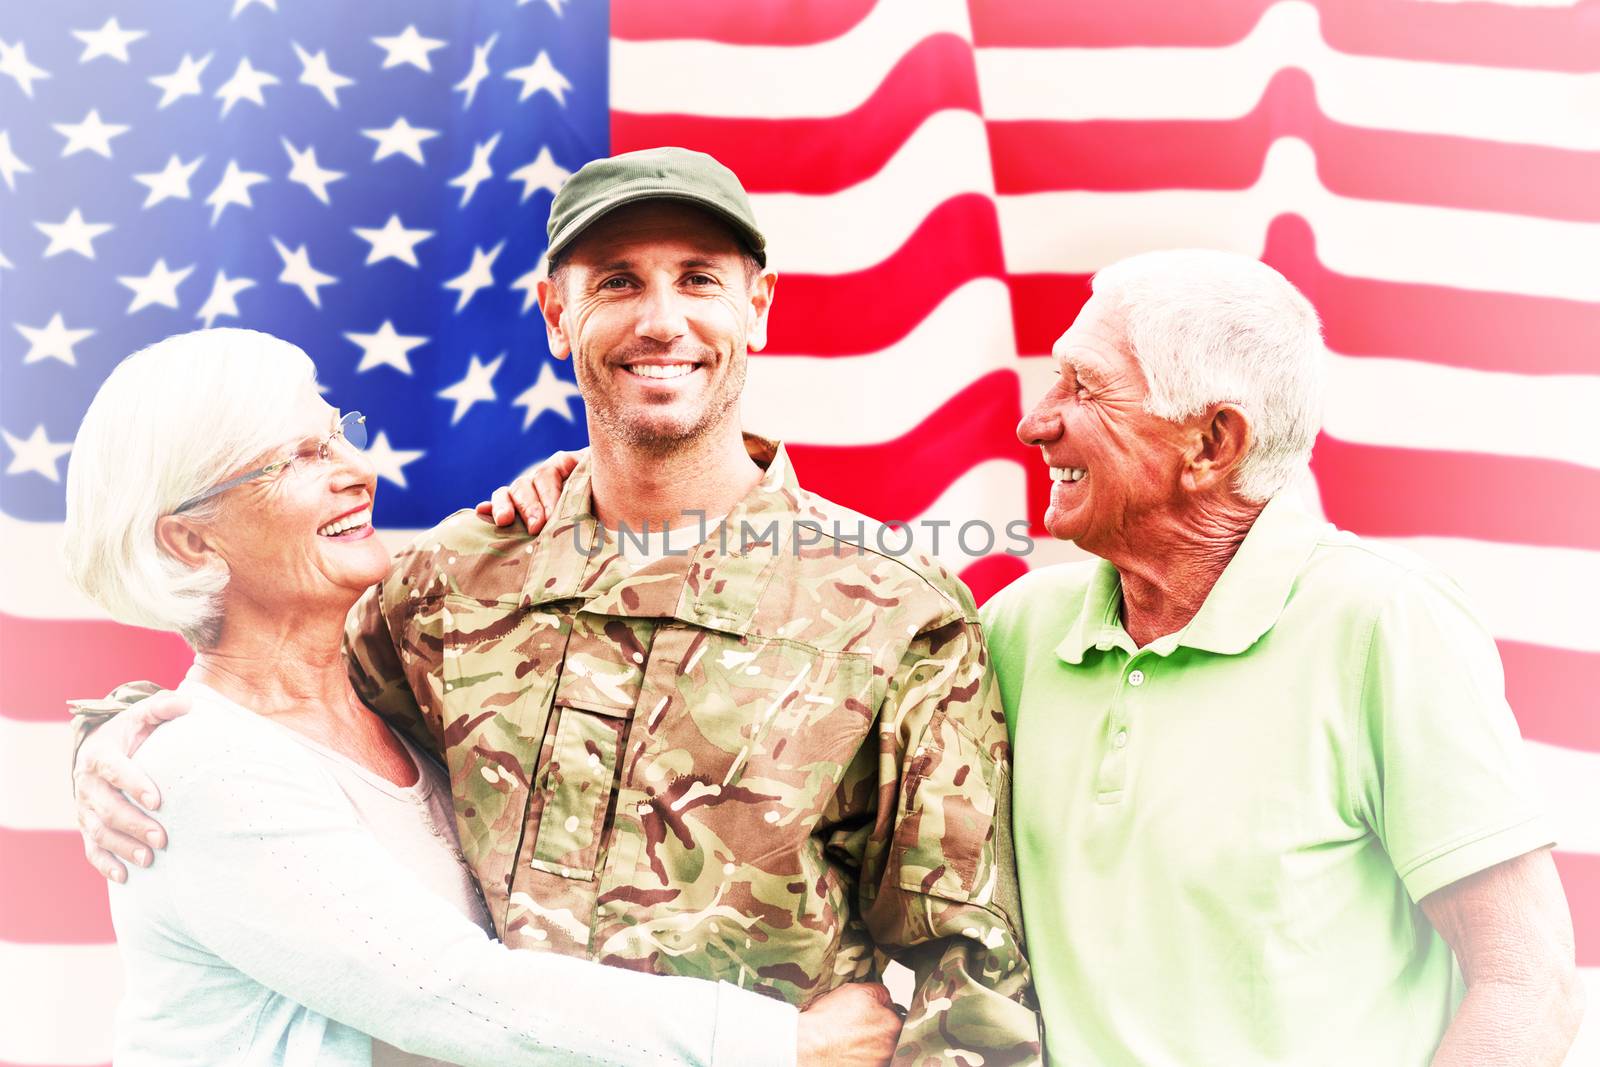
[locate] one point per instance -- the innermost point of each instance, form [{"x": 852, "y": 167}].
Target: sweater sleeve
[{"x": 270, "y": 870}]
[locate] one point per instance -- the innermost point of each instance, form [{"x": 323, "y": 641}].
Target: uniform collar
[
  {"x": 1244, "y": 604},
  {"x": 709, "y": 587}
]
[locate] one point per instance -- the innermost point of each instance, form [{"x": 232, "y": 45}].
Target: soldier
[{"x": 775, "y": 758}]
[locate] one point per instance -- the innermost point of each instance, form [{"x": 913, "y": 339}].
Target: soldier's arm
[
  {"x": 375, "y": 633},
  {"x": 938, "y": 879},
  {"x": 105, "y": 735}
]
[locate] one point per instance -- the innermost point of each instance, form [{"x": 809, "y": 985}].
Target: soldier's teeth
[
  {"x": 349, "y": 522},
  {"x": 652, "y": 370},
  {"x": 1067, "y": 474}
]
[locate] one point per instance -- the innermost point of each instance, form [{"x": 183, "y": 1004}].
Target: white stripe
[
  {"x": 35, "y": 791},
  {"x": 1527, "y": 593},
  {"x": 777, "y": 82},
  {"x": 1409, "y": 404},
  {"x": 1489, "y": 103},
  {"x": 860, "y": 227},
  {"x": 1585, "y": 1051},
  {"x": 883, "y": 395},
  {"x": 57, "y": 1002},
  {"x": 1080, "y": 232},
  {"x": 1570, "y": 780}
]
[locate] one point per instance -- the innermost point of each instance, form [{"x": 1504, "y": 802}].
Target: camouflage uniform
[{"x": 769, "y": 766}]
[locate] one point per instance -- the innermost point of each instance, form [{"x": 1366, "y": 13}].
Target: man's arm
[
  {"x": 938, "y": 881},
  {"x": 1512, "y": 934},
  {"x": 105, "y": 735}
]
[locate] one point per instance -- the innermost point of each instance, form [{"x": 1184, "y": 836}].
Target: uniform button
[
  {"x": 1121, "y": 740},
  {"x": 1136, "y": 678}
]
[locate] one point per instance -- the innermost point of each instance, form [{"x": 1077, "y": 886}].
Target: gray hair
[
  {"x": 1214, "y": 327},
  {"x": 171, "y": 421}
]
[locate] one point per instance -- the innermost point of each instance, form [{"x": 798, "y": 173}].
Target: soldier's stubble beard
[{"x": 653, "y": 436}]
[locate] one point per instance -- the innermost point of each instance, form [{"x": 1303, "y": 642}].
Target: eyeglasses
[{"x": 352, "y": 427}]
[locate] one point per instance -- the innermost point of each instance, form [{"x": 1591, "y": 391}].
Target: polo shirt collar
[{"x": 1249, "y": 595}]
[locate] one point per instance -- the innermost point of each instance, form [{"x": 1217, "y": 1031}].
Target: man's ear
[
  {"x": 552, "y": 306},
  {"x": 1221, "y": 439},
  {"x": 762, "y": 290},
  {"x": 185, "y": 542}
]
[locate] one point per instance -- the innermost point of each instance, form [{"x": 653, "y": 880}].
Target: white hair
[
  {"x": 171, "y": 421},
  {"x": 1214, "y": 327}
]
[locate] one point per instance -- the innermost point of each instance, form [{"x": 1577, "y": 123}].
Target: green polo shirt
[{"x": 1222, "y": 837}]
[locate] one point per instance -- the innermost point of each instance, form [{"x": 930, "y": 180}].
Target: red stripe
[
  {"x": 868, "y": 310},
  {"x": 48, "y": 892},
  {"x": 1401, "y": 492},
  {"x": 898, "y": 480},
  {"x": 1369, "y": 164},
  {"x": 772, "y": 22},
  {"x": 839, "y": 151},
  {"x": 993, "y": 573},
  {"x": 47, "y": 662},
  {"x": 1580, "y": 876},
  {"x": 1555, "y": 693},
  {"x": 1361, "y": 316},
  {"x": 1558, "y": 39}
]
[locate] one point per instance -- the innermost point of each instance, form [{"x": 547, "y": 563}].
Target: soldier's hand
[
  {"x": 856, "y": 1025},
  {"x": 532, "y": 497},
  {"x": 114, "y": 831}
]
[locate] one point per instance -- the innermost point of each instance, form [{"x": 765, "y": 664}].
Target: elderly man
[
  {"x": 772, "y": 757},
  {"x": 1269, "y": 795}
]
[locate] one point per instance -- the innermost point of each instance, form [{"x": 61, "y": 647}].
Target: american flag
[{"x": 938, "y": 178}]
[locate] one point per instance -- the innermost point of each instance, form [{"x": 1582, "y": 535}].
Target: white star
[
  {"x": 72, "y": 234},
  {"x": 240, "y": 5},
  {"x": 409, "y": 47},
  {"x": 222, "y": 301},
  {"x": 543, "y": 173},
  {"x": 246, "y": 84},
  {"x": 160, "y": 286},
  {"x": 550, "y": 393},
  {"x": 171, "y": 183},
  {"x": 478, "y": 172},
  {"x": 314, "y": 71},
  {"x": 38, "y": 454},
  {"x": 14, "y": 64},
  {"x": 402, "y": 138},
  {"x": 555, "y": 5},
  {"x": 479, "y": 71},
  {"x": 529, "y": 284},
  {"x": 185, "y": 81},
  {"x": 298, "y": 271},
  {"x": 305, "y": 171},
  {"x": 109, "y": 40},
  {"x": 386, "y": 348},
  {"x": 90, "y": 135},
  {"x": 541, "y": 74},
  {"x": 5, "y": 264},
  {"x": 473, "y": 388},
  {"x": 388, "y": 460},
  {"x": 393, "y": 241},
  {"x": 10, "y": 165},
  {"x": 478, "y": 276},
  {"x": 234, "y": 188},
  {"x": 52, "y": 341}
]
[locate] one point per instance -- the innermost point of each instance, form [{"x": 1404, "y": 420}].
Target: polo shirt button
[
  {"x": 1121, "y": 740},
  {"x": 1136, "y": 678}
]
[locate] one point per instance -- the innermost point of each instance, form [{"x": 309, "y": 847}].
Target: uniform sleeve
[
  {"x": 375, "y": 639},
  {"x": 89, "y": 715},
  {"x": 939, "y": 880},
  {"x": 1443, "y": 779},
  {"x": 270, "y": 871}
]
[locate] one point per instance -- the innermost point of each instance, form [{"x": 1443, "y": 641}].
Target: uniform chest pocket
[{"x": 575, "y": 787}]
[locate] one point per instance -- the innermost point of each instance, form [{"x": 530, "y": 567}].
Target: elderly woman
[{"x": 314, "y": 907}]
